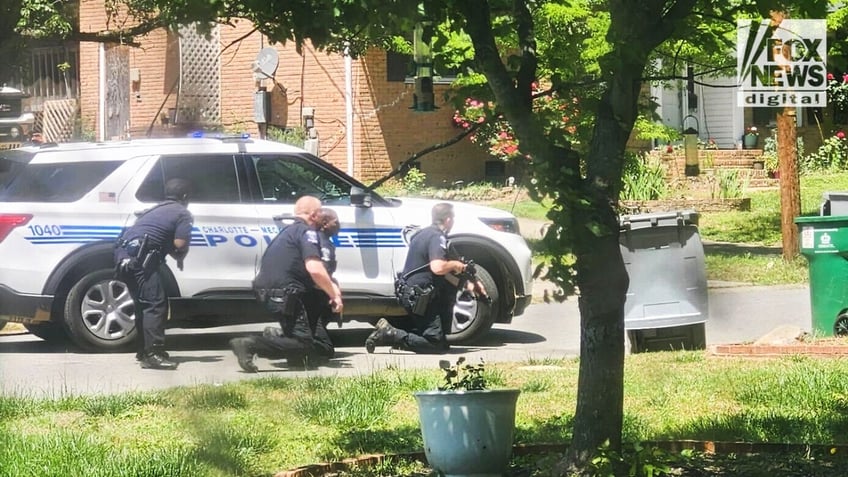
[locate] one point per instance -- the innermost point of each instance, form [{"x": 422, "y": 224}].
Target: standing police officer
[
  {"x": 430, "y": 272},
  {"x": 291, "y": 269},
  {"x": 160, "y": 231}
]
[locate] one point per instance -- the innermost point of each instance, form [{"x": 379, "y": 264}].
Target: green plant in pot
[{"x": 467, "y": 428}]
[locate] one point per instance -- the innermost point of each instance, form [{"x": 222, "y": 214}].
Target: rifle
[{"x": 470, "y": 275}]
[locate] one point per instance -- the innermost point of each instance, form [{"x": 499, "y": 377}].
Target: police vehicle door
[
  {"x": 225, "y": 238},
  {"x": 368, "y": 241}
]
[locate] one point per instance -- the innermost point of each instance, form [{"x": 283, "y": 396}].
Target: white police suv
[{"x": 63, "y": 205}]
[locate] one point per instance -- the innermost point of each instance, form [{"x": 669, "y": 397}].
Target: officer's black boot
[
  {"x": 245, "y": 351},
  {"x": 385, "y": 334},
  {"x": 157, "y": 358}
]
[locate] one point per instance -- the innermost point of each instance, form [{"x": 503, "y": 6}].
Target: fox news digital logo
[{"x": 782, "y": 65}]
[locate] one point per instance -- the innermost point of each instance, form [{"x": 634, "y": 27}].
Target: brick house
[{"x": 172, "y": 83}]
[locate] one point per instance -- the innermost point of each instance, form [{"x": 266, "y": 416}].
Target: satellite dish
[{"x": 265, "y": 64}]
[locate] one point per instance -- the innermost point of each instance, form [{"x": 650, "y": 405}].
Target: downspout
[
  {"x": 101, "y": 99},
  {"x": 349, "y": 107}
]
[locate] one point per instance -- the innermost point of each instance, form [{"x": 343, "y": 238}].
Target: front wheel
[
  {"x": 100, "y": 314},
  {"x": 472, "y": 318}
]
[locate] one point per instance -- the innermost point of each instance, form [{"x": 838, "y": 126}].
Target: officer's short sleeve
[
  {"x": 309, "y": 244},
  {"x": 185, "y": 221},
  {"x": 437, "y": 248}
]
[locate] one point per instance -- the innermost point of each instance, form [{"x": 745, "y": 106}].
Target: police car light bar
[{"x": 224, "y": 137}]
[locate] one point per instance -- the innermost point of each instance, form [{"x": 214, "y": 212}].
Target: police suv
[{"x": 63, "y": 205}]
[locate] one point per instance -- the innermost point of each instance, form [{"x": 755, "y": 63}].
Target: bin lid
[
  {"x": 825, "y": 220},
  {"x": 656, "y": 219},
  {"x": 838, "y": 195}
]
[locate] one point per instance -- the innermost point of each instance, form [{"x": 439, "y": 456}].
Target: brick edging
[
  {"x": 780, "y": 350},
  {"x": 708, "y": 447}
]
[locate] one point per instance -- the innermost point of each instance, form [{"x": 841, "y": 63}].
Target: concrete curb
[{"x": 708, "y": 447}]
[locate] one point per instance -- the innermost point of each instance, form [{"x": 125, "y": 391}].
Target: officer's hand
[
  {"x": 124, "y": 266},
  {"x": 336, "y": 304},
  {"x": 479, "y": 288}
]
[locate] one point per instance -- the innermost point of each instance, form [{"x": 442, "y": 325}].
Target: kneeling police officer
[{"x": 162, "y": 230}]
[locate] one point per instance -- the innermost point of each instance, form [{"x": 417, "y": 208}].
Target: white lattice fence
[
  {"x": 199, "y": 99},
  {"x": 58, "y": 119}
]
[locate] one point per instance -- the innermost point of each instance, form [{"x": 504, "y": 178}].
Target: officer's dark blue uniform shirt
[
  {"x": 328, "y": 252},
  {"x": 283, "y": 263},
  {"x": 162, "y": 224},
  {"x": 430, "y": 243}
]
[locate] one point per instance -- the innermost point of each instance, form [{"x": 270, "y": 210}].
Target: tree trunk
[
  {"x": 790, "y": 185},
  {"x": 603, "y": 283},
  {"x": 601, "y": 277}
]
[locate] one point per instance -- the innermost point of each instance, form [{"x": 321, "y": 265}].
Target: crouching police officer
[
  {"x": 291, "y": 269},
  {"x": 431, "y": 277},
  {"x": 162, "y": 230},
  {"x": 319, "y": 310}
]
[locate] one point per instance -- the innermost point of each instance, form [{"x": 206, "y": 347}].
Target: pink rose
[
  {"x": 840, "y": 135},
  {"x": 830, "y": 76},
  {"x": 845, "y": 78}
]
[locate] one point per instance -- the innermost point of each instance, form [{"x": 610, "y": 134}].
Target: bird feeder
[{"x": 690, "y": 147}]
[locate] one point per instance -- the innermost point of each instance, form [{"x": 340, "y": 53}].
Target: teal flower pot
[
  {"x": 750, "y": 141},
  {"x": 468, "y": 433}
]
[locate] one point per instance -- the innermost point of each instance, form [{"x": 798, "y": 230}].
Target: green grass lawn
[{"x": 260, "y": 426}]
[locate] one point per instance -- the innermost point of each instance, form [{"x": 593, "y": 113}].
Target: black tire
[
  {"x": 473, "y": 318},
  {"x": 50, "y": 331},
  {"x": 689, "y": 337},
  {"x": 99, "y": 313},
  {"x": 840, "y": 328}
]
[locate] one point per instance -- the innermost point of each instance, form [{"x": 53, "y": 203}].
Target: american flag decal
[{"x": 108, "y": 197}]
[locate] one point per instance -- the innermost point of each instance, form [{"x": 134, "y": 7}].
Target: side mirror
[{"x": 359, "y": 197}]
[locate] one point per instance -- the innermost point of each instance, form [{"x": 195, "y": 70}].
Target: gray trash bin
[
  {"x": 667, "y": 302},
  {"x": 834, "y": 203}
]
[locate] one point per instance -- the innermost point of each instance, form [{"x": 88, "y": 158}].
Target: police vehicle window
[
  {"x": 60, "y": 182},
  {"x": 285, "y": 179},
  {"x": 213, "y": 178}
]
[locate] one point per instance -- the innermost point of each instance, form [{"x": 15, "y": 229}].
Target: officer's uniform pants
[
  {"x": 303, "y": 332},
  {"x": 428, "y": 332},
  {"x": 151, "y": 306}
]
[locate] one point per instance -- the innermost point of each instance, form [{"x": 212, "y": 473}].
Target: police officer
[
  {"x": 160, "y": 231},
  {"x": 429, "y": 270},
  {"x": 316, "y": 301},
  {"x": 290, "y": 270}
]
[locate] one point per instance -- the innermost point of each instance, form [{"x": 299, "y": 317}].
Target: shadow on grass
[{"x": 740, "y": 249}]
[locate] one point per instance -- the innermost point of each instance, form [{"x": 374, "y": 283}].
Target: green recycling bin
[{"x": 824, "y": 242}]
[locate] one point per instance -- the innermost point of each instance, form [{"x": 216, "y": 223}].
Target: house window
[
  {"x": 765, "y": 116},
  {"x": 400, "y": 67}
]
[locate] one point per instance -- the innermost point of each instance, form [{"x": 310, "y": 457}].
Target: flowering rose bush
[
  {"x": 752, "y": 130},
  {"x": 837, "y": 91},
  {"x": 832, "y": 155},
  {"x": 496, "y": 136}
]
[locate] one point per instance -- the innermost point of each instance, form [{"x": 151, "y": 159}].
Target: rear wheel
[
  {"x": 472, "y": 318},
  {"x": 100, "y": 314}
]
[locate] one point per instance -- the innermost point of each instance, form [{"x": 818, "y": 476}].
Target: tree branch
[
  {"x": 406, "y": 165},
  {"x": 124, "y": 36}
]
